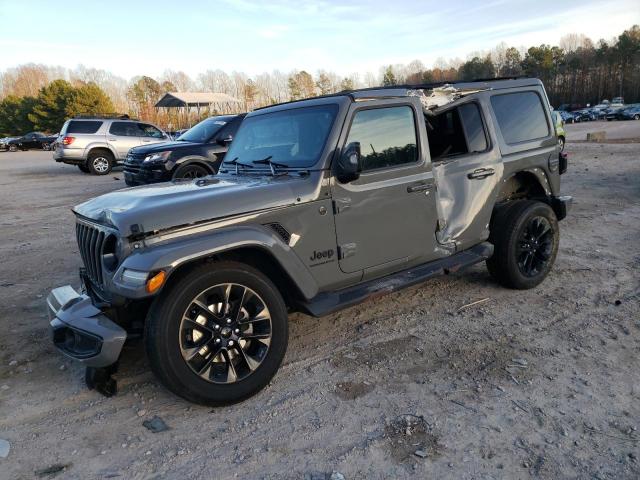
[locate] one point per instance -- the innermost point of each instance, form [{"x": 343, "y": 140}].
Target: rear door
[
  {"x": 123, "y": 136},
  {"x": 468, "y": 169},
  {"x": 386, "y": 219}
]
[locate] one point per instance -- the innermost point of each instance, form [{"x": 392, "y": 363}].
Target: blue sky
[{"x": 135, "y": 37}]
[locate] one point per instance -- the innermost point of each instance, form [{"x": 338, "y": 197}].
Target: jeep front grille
[{"x": 91, "y": 241}]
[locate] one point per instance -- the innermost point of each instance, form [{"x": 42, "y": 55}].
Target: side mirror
[
  {"x": 349, "y": 164},
  {"x": 225, "y": 141}
]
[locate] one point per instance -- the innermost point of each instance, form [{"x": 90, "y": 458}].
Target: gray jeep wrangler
[{"x": 318, "y": 205}]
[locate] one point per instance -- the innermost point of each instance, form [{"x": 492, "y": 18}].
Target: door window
[
  {"x": 125, "y": 129},
  {"x": 458, "y": 131},
  {"x": 520, "y": 116},
  {"x": 387, "y": 137},
  {"x": 150, "y": 131}
]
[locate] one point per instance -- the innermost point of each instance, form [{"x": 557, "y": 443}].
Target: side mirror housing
[
  {"x": 349, "y": 164},
  {"x": 225, "y": 141}
]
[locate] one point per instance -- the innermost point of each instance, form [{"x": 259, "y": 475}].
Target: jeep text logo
[{"x": 323, "y": 255}]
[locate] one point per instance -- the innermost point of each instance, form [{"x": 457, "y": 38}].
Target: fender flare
[
  {"x": 172, "y": 255},
  {"x": 540, "y": 177}
]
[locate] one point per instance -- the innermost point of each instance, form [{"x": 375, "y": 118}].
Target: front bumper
[
  {"x": 143, "y": 175},
  {"x": 81, "y": 331}
]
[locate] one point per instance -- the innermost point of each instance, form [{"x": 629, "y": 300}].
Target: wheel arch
[
  {"x": 100, "y": 147},
  {"x": 524, "y": 184},
  {"x": 200, "y": 161}
]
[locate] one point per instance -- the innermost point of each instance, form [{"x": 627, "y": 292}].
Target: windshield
[
  {"x": 203, "y": 131},
  {"x": 294, "y": 138}
]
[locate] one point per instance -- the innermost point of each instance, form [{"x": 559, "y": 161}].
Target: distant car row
[
  {"x": 97, "y": 144},
  {"x": 29, "y": 141},
  {"x": 602, "y": 112}
]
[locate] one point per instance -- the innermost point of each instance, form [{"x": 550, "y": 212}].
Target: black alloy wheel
[
  {"x": 225, "y": 333},
  {"x": 535, "y": 246}
]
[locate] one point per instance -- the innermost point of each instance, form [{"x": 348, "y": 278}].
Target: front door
[{"x": 386, "y": 219}]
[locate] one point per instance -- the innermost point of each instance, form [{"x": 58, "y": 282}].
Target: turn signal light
[
  {"x": 68, "y": 140},
  {"x": 155, "y": 282}
]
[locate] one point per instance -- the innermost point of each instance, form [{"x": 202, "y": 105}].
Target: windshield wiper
[
  {"x": 237, "y": 163},
  {"x": 272, "y": 164}
]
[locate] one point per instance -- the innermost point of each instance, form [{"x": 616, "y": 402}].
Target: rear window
[
  {"x": 520, "y": 116},
  {"x": 76, "y": 126},
  {"x": 125, "y": 129}
]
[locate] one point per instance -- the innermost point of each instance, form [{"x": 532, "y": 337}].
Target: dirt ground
[{"x": 529, "y": 384}]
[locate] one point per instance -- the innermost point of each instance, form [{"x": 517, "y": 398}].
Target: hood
[
  {"x": 161, "y": 147},
  {"x": 164, "y": 205}
]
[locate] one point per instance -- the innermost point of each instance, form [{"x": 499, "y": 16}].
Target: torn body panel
[
  {"x": 467, "y": 188},
  {"x": 433, "y": 99}
]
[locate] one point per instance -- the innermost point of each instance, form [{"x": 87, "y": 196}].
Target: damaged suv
[{"x": 318, "y": 205}]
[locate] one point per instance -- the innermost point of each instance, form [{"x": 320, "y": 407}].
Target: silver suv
[{"x": 96, "y": 144}]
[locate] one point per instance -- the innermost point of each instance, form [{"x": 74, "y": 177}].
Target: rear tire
[
  {"x": 525, "y": 235},
  {"x": 100, "y": 162},
  {"x": 189, "y": 172},
  {"x": 197, "y": 333},
  {"x": 13, "y": 148}
]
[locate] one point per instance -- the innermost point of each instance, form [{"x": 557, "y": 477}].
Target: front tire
[
  {"x": 525, "y": 235},
  {"x": 100, "y": 163},
  {"x": 217, "y": 334},
  {"x": 189, "y": 172},
  {"x": 561, "y": 143},
  {"x": 13, "y": 148}
]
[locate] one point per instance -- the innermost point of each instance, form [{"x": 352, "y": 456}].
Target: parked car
[
  {"x": 612, "y": 113},
  {"x": 97, "y": 144},
  {"x": 197, "y": 153},
  {"x": 629, "y": 113},
  {"x": 567, "y": 117},
  {"x": 584, "y": 115},
  {"x": 559, "y": 125},
  {"x": 30, "y": 140},
  {"x": 4, "y": 142},
  {"x": 318, "y": 205}
]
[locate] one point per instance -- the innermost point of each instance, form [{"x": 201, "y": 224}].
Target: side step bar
[{"x": 328, "y": 302}]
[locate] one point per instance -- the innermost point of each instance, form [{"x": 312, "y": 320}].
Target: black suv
[{"x": 196, "y": 153}]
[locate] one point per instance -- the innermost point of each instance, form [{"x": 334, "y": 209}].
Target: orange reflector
[{"x": 155, "y": 282}]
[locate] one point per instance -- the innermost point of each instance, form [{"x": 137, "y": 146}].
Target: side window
[
  {"x": 473, "y": 128},
  {"x": 456, "y": 132},
  {"x": 387, "y": 137},
  {"x": 76, "y": 126},
  {"x": 520, "y": 116},
  {"x": 125, "y": 129},
  {"x": 150, "y": 131}
]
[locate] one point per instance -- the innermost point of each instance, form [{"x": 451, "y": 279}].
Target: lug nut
[
  {"x": 228, "y": 320},
  {"x": 231, "y": 343},
  {"x": 217, "y": 340},
  {"x": 236, "y": 331},
  {"x": 216, "y": 327}
]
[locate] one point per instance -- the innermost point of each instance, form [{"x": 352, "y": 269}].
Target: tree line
[{"x": 577, "y": 71}]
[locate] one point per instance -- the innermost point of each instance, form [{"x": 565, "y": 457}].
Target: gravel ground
[
  {"x": 615, "y": 130},
  {"x": 542, "y": 383}
]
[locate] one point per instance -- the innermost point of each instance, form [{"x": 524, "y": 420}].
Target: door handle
[
  {"x": 481, "y": 173},
  {"x": 422, "y": 187},
  {"x": 113, "y": 139}
]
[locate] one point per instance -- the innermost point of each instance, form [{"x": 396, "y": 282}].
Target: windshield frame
[
  {"x": 322, "y": 161},
  {"x": 226, "y": 118}
]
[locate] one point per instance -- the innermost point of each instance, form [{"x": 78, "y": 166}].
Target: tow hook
[{"x": 100, "y": 379}]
